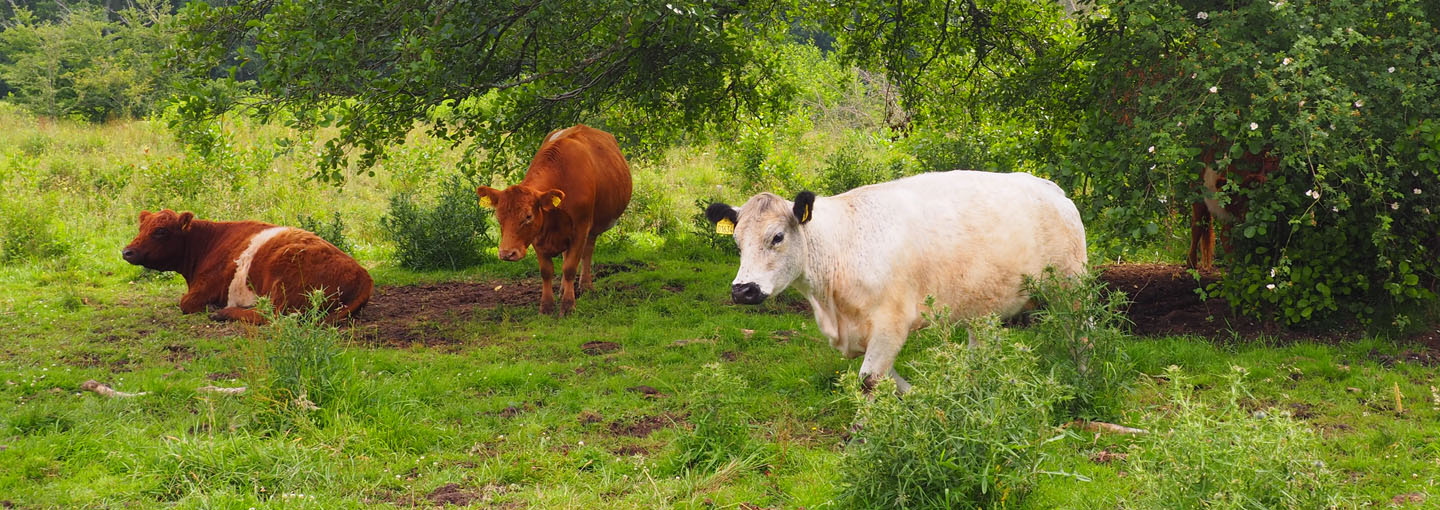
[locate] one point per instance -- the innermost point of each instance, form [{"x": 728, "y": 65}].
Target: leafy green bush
[
  {"x": 1078, "y": 328},
  {"x": 448, "y": 235},
  {"x": 1227, "y": 458},
  {"x": 722, "y": 427},
  {"x": 967, "y": 435},
  {"x": 333, "y": 232},
  {"x": 1328, "y": 101}
]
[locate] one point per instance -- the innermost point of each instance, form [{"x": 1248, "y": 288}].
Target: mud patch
[
  {"x": 648, "y": 391},
  {"x": 176, "y": 353},
  {"x": 409, "y": 314},
  {"x": 626, "y": 266},
  {"x": 1423, "y": 358},
  {"x": 451, "y": 494},
  {"x": 644, "y": 425}
]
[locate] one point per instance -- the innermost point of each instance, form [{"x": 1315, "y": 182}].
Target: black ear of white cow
[
  {"x": 719, "y": 211},
  {"x": 804, "y": 206}
]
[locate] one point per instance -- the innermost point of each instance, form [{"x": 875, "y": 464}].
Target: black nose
[
  {"x": 747, "y": 294},
  {"x": 127, "y": 254}
]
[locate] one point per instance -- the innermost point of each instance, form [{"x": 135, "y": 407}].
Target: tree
[{"x": 501, "y": 73}]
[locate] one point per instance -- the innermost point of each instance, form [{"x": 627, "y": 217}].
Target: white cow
[{"x": 868, "y": 258}]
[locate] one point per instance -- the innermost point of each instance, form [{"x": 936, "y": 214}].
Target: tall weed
[
  {"x": 722, "y": 427},
  {"x": 967, "y": 435},
  {"x": 1078, "y": 330},
  {"x": 303, "y": 357}
]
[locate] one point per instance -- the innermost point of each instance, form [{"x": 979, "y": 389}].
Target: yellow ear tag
[
  {"x": 725, "y": 227},
  {"x": 555, "y": 201},
  {"x": 485, "y": 202}
]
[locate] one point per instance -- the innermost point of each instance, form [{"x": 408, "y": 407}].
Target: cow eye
[
  {"x": 777, "y": 239},
  {"x": 160, "y": 233}
]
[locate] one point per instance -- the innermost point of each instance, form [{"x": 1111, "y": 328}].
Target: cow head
[
  {"x": 161, "y": 242},
  {"x": 772, "y": 247},
  {"x": 521, "y": 211}
]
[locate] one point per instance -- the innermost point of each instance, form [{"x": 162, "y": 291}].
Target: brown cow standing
[
  {"x": 228, "y": 265},
  {"x": 576, "y": 188},
  {"x": 1252, "y": 170}
]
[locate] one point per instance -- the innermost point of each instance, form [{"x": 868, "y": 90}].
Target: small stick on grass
[
  {"x": 103, "y": 390},
  {"x": 1399, "y": 406},
  {"x": 221, "y": 390},
  {"x": 1100, "y": 426}
]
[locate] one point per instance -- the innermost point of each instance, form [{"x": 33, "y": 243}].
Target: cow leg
[
  {"x": 547, "y": 292},
  {"x": 587, "y": 277},
  {"x": 1202, "y": 237},
  {"x": 198, "y": 297},
  {"x": 567, "y": 278},
  {"x": 880, "y": 355},
  {"x": 235, "y": 313}
]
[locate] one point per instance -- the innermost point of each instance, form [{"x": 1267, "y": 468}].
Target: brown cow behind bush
[{"x": 229, "y": 265}]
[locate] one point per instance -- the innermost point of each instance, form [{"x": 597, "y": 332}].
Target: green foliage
[
  {"x": 29, "y": 234},
  {"x": 1338, "y": 96},
  {"x": 86, "y": 65},
  {"x": 304, "y": 361},
  {"x": 1078, "y": 327},
  {"x": 721, "y": 432},
  {"x": 967, "y": 435},
  {"x": 447, "y": 235},
  {"x": 505, "y": 73},
  {"x": 1224, "y": 457},
  {"x": 857, "y": 164},
  {"x": 333, "y": 231}
]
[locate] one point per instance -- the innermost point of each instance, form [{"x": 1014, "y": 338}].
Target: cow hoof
[{"x": 547, "y": 309}]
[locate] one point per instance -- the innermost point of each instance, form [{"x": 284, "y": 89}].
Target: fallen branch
[
  {"x": 1100, "y": 426},
  {"x": 217, "y": 389},
  {"x": 103, "y": 390}
]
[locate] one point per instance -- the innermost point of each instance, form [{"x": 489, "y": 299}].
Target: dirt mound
[{"x": 408, "y": 314}]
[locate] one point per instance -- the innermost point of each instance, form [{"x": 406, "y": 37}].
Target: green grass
[{"x": 514, "y": 412}]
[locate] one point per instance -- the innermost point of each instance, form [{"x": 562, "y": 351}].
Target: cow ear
[
  {"x": 488, "y": 196},
  {"x": 723, "y": 216},
  {"x": 185, "y": 218},
  {"x": 551, "y": 199},
  {"x": 804, "y": 206},
  {"x": 144, "y": 215}
]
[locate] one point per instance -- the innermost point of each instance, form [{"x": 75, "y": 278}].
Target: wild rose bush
[{"x": 1344, "y": 96}]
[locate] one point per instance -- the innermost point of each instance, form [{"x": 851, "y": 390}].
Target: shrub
[
  {"x": 1326, "y": 94},
  {"x": 1078, "y": 330},
  {"x": 1227, "y": 458},
  {"x": 333, "y": 232},
  {"x": 968, "y": 433},
  {"x": 448, "y": 235},
  {"x": 702, "y": 227},
  {"x": 722, "y": 427}
]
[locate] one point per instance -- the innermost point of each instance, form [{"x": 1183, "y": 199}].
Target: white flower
[
  {"x": 1270, "y": 286},
  {"x": 1390, "y": 69},
  {"x": 1395, "y": 205},
  {"x": 1285, "y": 62},
  {"x": 1417, "y": 191},
  {"x": 1335, "y": 209},
  {"x": 1313, "y": 194},
  {"x": 1254, "y": 126},
  {"x": 1214, "y": 89},
  {"x": 1272, "y": 272},
  {"x": 1359, "y": 103},
  {"x": 1202, "y": 15},
  {"x": 1180, "y": 124},
  {"x": 1152, "y": 149}
]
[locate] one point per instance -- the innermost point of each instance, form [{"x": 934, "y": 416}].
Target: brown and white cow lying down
[
  {"x": 868, "y": 258},
  {"x": 577, "y": 187},
  {"x": 228, "y": 265}
]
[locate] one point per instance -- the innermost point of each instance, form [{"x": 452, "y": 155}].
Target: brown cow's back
[{"x": 586, "y": 164}]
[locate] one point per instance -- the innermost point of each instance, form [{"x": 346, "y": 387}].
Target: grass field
[{"x": 517, "y": 410}]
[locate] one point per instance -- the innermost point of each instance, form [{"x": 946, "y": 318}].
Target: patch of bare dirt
[
  {"x": 451, "y": 494},
  {"x": 643, "y": 426},
  {"x": 1163, "y": 301},
  {"x": 408, "y": 314},
  {"x": 647, "y": 391}
]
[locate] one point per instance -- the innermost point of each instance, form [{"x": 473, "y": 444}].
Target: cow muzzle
[
  {"x": 747, "y": 293},
  {"x": 129, "y": 255},
  {"x": 510, "y": 255}
]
